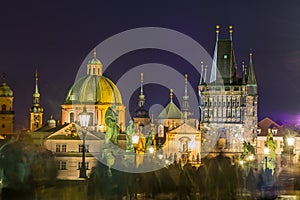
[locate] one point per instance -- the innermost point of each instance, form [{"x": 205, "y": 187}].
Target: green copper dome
[
  {"x": 93, "y": 89},
  {"x": 5, "y": 90},
  {"x": 94, "y": 61}
]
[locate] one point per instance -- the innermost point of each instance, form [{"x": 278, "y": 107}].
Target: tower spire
[
  {"x": 171, "y": 95},
  {"x": 251, "y": 75},
  {"x": 141, "y": 102},
  {"x": 213, "y": 74},
  {"x": 95, "y": 53},
  {"x": 185, "y": 106},
  {"x": 36, "y": 111},
  {"x": 230, "y": 32},
  {"x": 36, "y": 82},
  {"x": 244, "y": 73}
]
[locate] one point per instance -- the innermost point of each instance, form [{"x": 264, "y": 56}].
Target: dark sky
[{"x": 56, "y": 37}]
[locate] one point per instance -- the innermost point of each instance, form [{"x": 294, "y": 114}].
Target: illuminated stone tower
[
  {"x": 36, "y": 111},
  {"x": 228, "y": 103},
  {"x": 7, "y": 114}
]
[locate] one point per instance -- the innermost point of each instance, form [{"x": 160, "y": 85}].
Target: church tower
[
  {"x": 7, "y": 115},
  {"x": 36, "y": 111},
  {"x": 228, "y": 103},
  {"x": 141, "y": 115}
]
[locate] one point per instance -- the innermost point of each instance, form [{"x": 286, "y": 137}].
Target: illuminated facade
[
  {"x": 228, "y": 102},
  {"x": 97, "y": 93},
  {"x": 7, "y": 114}
]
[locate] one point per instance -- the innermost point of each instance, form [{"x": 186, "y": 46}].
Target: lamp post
[
  {"x": 266, "y": 152},
  {"x": 290, "y": 142},
  {"x": 84, "y": 119},
  {"x": 135, "y": 142}
]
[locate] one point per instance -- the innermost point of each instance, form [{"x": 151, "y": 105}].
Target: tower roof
[
  {"x": 171, "y": 111},
  {"x": 5, "y": 90},
  {"x": 224, "y": 64},
  {"x": 251, "y": 75}
]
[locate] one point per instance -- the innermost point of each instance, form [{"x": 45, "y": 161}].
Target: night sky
[{"x": 56, "y": 37}]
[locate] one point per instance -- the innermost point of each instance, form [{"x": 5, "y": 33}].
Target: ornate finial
[
  {"x": 171, "y": 94},
  {"x": 142, "y": 81},
  {"x": 95, "y": 53},
  {"x": 36, "y": 75},
  {"x": 185, "y": 85},
  {"x": 217, "y": 28},
  {"x": 3, "y": 77},
  {"x": 230, "y": 32},
  {"x": 250, "y": 54},
  {"x": 217, "y": 31}
]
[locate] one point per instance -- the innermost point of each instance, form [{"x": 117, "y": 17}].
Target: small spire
[
  {"x": 230, "y": 32},
  {"x": 205, "y": 72},
  {"x": 251, "y": 75},
  {"x": 3, "y": 77},
  {"x": 171, "y": 94},
  {"x": 185, "y": 85},
  {"x": 36, "y": 82},
  {"x": 142, "y": 81},
  {"x": 201, "y": 75},
  {"x": 141, "y": 101},
  {"x": 152, "y": 118},
  {"x": 95, "y": 53},
  {"x": 217, "y": 31},
  {"x": 244, "y": 72}
]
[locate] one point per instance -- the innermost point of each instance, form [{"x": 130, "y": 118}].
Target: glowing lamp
[
  {"x": 290, "y": 141},
  {"x": 266, "y": 151},
  {"x": 84, "y": 118}
]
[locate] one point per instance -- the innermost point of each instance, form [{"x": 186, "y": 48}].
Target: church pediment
[
  {"x": 71, "y": 132},
  {"x": 184, "y": 129}
]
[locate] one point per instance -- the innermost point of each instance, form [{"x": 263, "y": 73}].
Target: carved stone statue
[
  {"x": 112, "y": 129},
  {"x": 129, "y": 132}
]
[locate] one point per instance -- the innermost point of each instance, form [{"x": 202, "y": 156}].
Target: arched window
[
  {"x": 3, "y": 107},
  {"x": 72, "y": 117}
]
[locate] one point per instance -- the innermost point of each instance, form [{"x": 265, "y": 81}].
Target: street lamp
[
  {"x": 266, "y": 151},
  {"x": 84, "y": 119},
  {"x": 135, "y": 142},
  {"x": 290, "y": 142}
]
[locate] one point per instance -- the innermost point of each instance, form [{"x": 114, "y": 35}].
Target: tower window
[
  {"x": 3, "y": 107},
  {"x": 225, "y": 56},
  {"x": 3, "y": 125},
  {"x": 71, "y": 117}
]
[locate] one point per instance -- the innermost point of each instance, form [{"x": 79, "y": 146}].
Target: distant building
[
  {"x": 7, "y": 115},
  {"x": 65, "y": 141},
  {"x": 280, "y": 133},
  {"x": 228, "y": 103}
]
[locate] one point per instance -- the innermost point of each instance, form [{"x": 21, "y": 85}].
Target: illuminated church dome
[
  {"x": 97, "y": 93},
  {"x": 5, "y": 90},
  {"x": 93, "y": 89}
]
